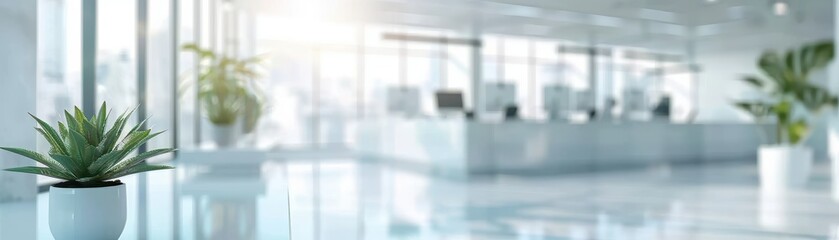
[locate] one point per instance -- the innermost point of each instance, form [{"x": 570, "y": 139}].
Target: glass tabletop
[{"x": 352, "y": 199}]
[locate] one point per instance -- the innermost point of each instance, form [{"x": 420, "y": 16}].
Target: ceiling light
[
  {"x": 226, "y": 5},
  {"x": 711, "y": 1},
  {"x": 780, "y": 8}
]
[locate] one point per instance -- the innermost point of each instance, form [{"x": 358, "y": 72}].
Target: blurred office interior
[{"x": 428, "y": 119}]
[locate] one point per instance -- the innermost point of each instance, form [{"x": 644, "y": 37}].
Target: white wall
[
  {"x": 720, "y": 84},
  {"x": 726, "y": 60},
  {"x": 17, "y": 94}
]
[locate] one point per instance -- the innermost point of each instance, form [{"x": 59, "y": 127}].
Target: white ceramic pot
[
  {"x": 784, "y": 167},
  {"x": 224, "y": 136},
  {"x": 87, "y": 213},
  {"x": 834, "y": 173}
]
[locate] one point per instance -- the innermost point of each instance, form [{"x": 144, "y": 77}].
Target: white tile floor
[{"x": 344, "y": 199}]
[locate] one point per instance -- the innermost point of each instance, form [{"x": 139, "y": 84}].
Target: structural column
[
  {"x": 17, "y": 92},
  {"x": 476, "y": 57},
  {"x": 593, "y": 73},
  {"x": 833, "y": 118},
  {"x": 89, "y": 56}
]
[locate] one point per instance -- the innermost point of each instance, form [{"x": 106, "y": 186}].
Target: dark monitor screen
[
  {"x": 663, "y": 107},
  {"x": 450, "y": 100}
]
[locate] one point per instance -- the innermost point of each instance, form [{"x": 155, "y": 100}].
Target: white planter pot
[
  {"x": 87, "y": 213},
  {"x": 784, "y": 167},
  {"x": 834, "y": 176},
  {"x": 224, "y": 136}
]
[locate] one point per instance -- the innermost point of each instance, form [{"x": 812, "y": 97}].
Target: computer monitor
[
  {"x": 583, "y": 100},
  {"x": 662, "y": 109},
  {"x": 635, "y": 100},
  {"x": 556, "y": 99},
  {"x": 499, "y": 96},
  {"x": 449, "y": 100},
  {"x": 403, "y": 100},
  {"x": 636, "y": 105}
]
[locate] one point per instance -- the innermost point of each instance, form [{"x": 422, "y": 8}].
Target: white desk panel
[{"x": 464, "y": 147}]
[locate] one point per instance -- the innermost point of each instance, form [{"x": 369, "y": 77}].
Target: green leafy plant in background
[
  {"x": 226, "y": 88},
  {"x": 790, "y": 99},
  {"x": 85, "y": 150}
]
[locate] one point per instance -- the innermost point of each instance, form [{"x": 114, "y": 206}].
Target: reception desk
[{"x": 459, "y": 147}]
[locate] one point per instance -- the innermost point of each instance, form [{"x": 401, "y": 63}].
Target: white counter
[{"x": 464, "y": 147}]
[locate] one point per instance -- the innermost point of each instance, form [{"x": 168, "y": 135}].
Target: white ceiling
[{"x": 667, "y": 25}]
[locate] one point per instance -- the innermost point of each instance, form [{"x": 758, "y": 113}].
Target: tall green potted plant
[
  {"x": 790, "y": 102},
  {"x": 227, "y": 93},
  {"x": 89, "y": 157}
]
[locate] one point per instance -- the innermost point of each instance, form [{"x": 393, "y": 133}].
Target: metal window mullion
[
  {"x": 89, "y": 17},
  {"x": 531, "y": 78},
  {"x": 593, "y": 74},
  {"x": 142, "y": 56},
  {"x": 225, "y": 30},
  {"x": 403, "y": 65},
  {"x": 443, "y": 60},
  {"x": 476, "y": 57},
  {"x": 361, "y": 65},
  {"x": 175, "y": 26},
  {"x": 196, "y": 124},
  {"x": 212, "y": 27},
  {"x": 316, "y": 114},
  {"x": 501, "y": 61},
  {"x": 235, "y": 38}
]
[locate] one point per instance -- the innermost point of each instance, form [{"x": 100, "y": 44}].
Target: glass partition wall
[
  {"x": 321, "y": 76},
  {"x": 116, "y": 39}
]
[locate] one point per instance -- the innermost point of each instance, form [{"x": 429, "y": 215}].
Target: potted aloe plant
[
  {"x": 227, "y": 93},
  {"x": 791, "y": 103},
  {"x": 89, "y": 157}
]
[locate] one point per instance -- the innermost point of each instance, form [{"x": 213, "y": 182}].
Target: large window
[
  {"x": 60, "y": 80},
  {"x": 59, "y": 71},
  {"x": 326, "y": 79},
  {"x": 322, "y": 75},
  {"x": 59, "y": 65}
]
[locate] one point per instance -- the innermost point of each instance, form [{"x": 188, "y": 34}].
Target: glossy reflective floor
[{"x": 346, "y": 199}]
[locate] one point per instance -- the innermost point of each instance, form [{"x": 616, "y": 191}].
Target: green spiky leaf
[
  {"x": 71, "y": 121},
  {"x": 84, "y": 149},
  {"x": 74, "y": 166},
  {"x": 50, "y": 135},
  {"x": 225, "y": 86},
  {"x": 102, "y": 119},
  {"x": 131, "y": 162},
  {"x": 798, "y": 131},
  {"x": 79, "y": 143},
  {"x": 91, "y": 132},
  {"x": 753, "y": 81},
  {"x": 49, "y": 172},
  {"x": 792, "y": 94},
  {"x": 138, "y": 169},
  {"x": 80, "y": 118},
  {"x": 105, "y": 161},
  {"x": 62, "y": 130},
  {"x": 55, "y": 145},
  {"x": 51, "y": 163}
]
